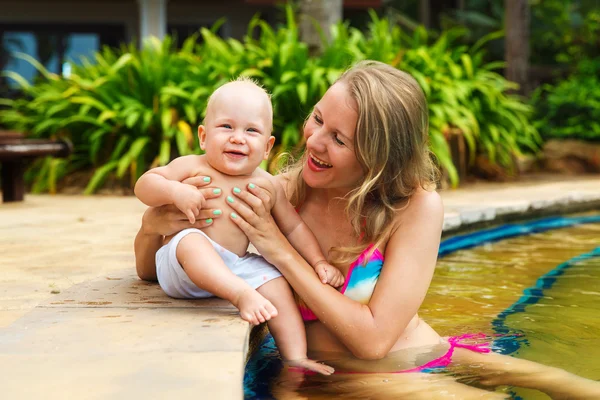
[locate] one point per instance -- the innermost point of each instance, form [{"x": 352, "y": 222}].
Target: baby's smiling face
[{"x": 236, "y": 135}]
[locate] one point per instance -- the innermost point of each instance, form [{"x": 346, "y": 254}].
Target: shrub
[
  {"x": 133, "y": 109},
  {"x": 571, "y": 108}
]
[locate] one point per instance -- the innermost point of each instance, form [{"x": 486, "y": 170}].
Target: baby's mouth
[{"x": 235, "y": 154}]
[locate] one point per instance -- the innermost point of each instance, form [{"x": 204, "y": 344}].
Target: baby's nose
[{"x": 237, "y": 138}]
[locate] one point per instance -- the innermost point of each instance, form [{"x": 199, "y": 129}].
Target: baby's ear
[
  {"x": 270, "y": 144},
  {"x": 202, "y": 136}
]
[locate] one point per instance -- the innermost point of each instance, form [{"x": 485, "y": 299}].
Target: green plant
[
  {"x": 129, "y": 109},
  {"x": 564, "y": 32},
  {"x": 571, "y": 108},
  {"x": 281, "y": 62}
]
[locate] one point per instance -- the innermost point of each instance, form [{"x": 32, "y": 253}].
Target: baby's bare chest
[
  {"x": 226, "y": 186},
  {"x": 223, "y": 230}
]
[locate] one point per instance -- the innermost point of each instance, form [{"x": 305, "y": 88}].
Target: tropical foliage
[
  {"x": 570, "y": 109},
  {"x": 129, "y": 109},
  {"x": 564, "y": 31}
]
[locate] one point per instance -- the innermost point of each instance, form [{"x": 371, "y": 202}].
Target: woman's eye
[
  {"x": 318, "y": 120},
  {"x": 337, "y": 140}
]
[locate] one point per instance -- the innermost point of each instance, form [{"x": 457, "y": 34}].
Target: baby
[{"x": 236, "y": 138}]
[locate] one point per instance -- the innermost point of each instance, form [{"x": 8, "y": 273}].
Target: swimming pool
[{"x": 534, "y": 286}]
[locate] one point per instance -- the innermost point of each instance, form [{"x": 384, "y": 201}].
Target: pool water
[{"x": 533, "y": 287}]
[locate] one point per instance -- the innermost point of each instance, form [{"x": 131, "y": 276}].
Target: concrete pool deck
[{"x": 76, "y": 322}]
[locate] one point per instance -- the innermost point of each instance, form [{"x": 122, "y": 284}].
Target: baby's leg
[
  {"x": 287, "y": 328},
  {"x": 206, "y": 269}
]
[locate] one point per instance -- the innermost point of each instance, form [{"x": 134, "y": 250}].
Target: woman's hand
[
  {"x": 253, "y": 216},
  {"x": 168, "y": 219}
]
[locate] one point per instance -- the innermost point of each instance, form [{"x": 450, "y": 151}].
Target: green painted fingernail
[
  {"x": 217, "y": 212},
  {"x": 251, "y": 185},
  {"x": 216, "y": 191},
  {"x": 233, "y": 215},
  {"x": 206, "y": 179},
  {"x": 230, "y": 199},
  {"x": 209, "y": 221},
  {"x": 237, "y": 190}
]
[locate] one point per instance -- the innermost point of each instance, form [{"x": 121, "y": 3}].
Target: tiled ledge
[{"x": 481, "y": 205}]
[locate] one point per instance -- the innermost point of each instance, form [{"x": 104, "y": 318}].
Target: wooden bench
[{"x": 15, "y": 150}]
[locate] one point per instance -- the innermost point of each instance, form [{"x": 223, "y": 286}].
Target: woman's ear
[{"x": 202, "y": 136}]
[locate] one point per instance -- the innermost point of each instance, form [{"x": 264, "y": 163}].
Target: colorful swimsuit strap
[
  {"x": 375, "y": 256},
  {"x": 371, "y": 272},
  {"x": 440, "y": 362},
  {"x": 359, "y": 285}
]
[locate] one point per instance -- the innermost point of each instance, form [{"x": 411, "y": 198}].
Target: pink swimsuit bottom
[{"x": 440, "y": 362}]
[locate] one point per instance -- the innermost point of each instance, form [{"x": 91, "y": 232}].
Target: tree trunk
[
  {"x": 425, "y": 13},
  {"x": 516, "y": 20},
  {"x": 325, "y": 13}
]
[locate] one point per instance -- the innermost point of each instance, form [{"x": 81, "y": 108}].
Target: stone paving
[{"x": 76, "y": 322}]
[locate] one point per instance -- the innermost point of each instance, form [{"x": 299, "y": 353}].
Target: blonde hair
[
  {"x": 391, "y": 145},
  {"x": 242, "y": 79}
]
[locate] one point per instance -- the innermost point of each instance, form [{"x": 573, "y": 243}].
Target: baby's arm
[
  {"x": 162, "y": 185},
  {"x": 302, "y": 238}
]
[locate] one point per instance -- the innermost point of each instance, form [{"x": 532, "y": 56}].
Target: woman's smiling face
[{"x": 329, "y": 132}]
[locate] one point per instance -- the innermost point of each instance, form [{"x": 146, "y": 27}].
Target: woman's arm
[
  {"x": 368, "y": 331},
  {"x": 145, "y": 247},
  {"x": 158, "y": 222}
]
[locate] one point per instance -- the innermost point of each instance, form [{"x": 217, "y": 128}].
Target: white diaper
[{"x": 252, "y": 268}]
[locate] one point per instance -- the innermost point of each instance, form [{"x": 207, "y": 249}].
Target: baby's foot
[
  {"x": 311, "y": 365},
  {"x": 254, "y": 308}
]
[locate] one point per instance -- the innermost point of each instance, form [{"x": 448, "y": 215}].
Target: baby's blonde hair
[
  {"x": 391, "y": 145},
  {"x": 242, "y": 79}
]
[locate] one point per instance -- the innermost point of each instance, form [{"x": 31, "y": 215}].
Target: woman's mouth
[{"x": 316, "y": 164}]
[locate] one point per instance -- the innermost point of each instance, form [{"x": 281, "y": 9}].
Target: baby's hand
[
  {"x": 329, "y": 274},
  {"x": 189, "y": 200}
]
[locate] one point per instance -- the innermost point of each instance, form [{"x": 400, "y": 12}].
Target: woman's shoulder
[
  {"x": 419, "y": 221},
  {"x": 283, "y": 178},
  {"x": 423, "y": 205},
  {"x": 427, "y": 199}
]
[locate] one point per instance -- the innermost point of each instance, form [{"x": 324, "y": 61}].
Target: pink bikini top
[{"x": 360, "y": 282}]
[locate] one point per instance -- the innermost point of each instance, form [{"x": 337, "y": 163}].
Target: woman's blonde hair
[{"x": 391, "y": 145}]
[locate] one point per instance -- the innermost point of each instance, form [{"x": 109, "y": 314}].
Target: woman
[{"x": 365, "y": 187}]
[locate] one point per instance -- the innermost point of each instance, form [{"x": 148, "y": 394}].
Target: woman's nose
[{"x": 316, "y": 140}]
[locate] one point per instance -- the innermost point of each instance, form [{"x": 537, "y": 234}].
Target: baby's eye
[
  {"x": 252, "y": 130},
  {"x": 226, "y": 126},
  {"x": 337, "y": 139}
]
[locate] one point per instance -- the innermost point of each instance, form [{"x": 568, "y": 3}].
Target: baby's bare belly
[
  {"x": 223, "y": 230},
  {"x": 227, "y": 234}
]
